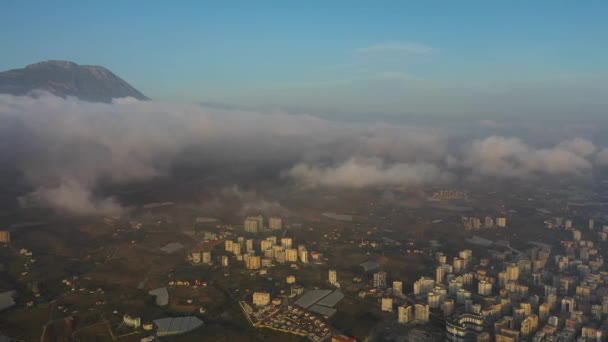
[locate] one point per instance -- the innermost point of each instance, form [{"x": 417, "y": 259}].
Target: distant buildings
[
  {"x": 266, "y": 245},
  {"x": 380, "y": 280},
  {"x": 236, "y": 249},
  {"x": 423, "y": 285},
  {"x": 404, "y": 314},
  {"x": 133, "y": 322},
  {"x": 291, "y": 255},
  {"x": 421, "y": 312},
  {"x": 253, "y": 224},
  {"x": 5, "y": 236},
  {"x": 568, "y": 304},
  {"x": 439, "y": 272},
  {"x": 397, "y": 287},
  {"x": 471, "y": 223},
  {"x": 448, "y": 307},
  {"x": 484, "y": 288},
  {"x": 465, "y": 327},
  {"x": 254, "y": 262},
  {"x": 333, "y": 277},
  {"x": 196, "y": 257},
  {"x": 387, "y": 304},
  {"x": 261, "y": 298},
  {"x": 286, "y": 242},
  {"x": 275, "y": 223},
  {"x": 206, "y": 256},
  {"x": 228, "y": 245},
  {"x": 303, "y": 254},
  {"x": 474, "y": 223},
  {"x": 296, "y": 290},
  {"x": 507, "y": 335}
]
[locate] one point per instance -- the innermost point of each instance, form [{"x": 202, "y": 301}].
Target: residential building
[
  {"x": 333, "y": 276},
  {"x": 275, "y": 223},
  {"x": 387, "y": 304},
  {"x": 261, "y": 298},
  {"x": 404, "y": 314}
]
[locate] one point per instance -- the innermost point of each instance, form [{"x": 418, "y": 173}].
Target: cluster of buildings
[
  {"x": 445, "y": 195},
  {"x": 257, "y": 254},
  {"x": 471, "y": 223},
  {"x": 255, "y": 224},
  {"x": 203, "y": 257},
  {"x": 394, "y": 297},
  {"x": 285, "y": 318},
  {"x": 254, "y": 253},
  {"x": 545, "y": 293}
]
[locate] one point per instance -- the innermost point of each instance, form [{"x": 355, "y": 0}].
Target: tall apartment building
[
  {"x": 236, "y": 249},
  {"x": 249, "y": 245},
  {"x": 484, "y": 288},
  {"x": 287, "y": 242},
  {"x": 333, "y": 276},
  {"x": 397, "y": 287},
  {"x": 254, "y": 262},
  {"x": 196, "y": 257},
  {"x": 439, "y": 273},
  {"x": 228, "y": 244},
  {"x": 387, "y": 304},
  {"x": 423, "y": 285},
  {"x": 206, "y": 257},
  {"x": 291, "y": 255},
  {"x": 421, "y": 312},
  {"x": 303, "y": 253},
  {"x": 404, "y": 314},
  {"x": 251, "y": 225},
  {"x": 380, "y": 280},
  {"x": 5, "y": 236},
  {"x": 275, "y": 223},
  {"x": 265, "y": 245}
]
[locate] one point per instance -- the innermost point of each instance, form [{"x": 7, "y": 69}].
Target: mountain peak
[
  {"x": 52, "y": 63},
  {"x": 65, "y": 78}
]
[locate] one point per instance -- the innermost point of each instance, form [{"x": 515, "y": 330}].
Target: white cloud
[
  {"x": 578, "y": 146},
  {"x": 359, "y": 173},
  {"x": 66, "y": 148},
  {"x": 512, "y": 158},
  {"x": 73, "y": 197}
]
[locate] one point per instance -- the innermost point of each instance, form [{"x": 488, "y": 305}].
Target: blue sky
[{"x": 350, "y": 58}]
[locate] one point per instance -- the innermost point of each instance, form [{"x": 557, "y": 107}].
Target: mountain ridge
[{"x": 92, "y": 83}]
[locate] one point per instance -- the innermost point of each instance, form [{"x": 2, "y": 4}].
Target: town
[{"x": 341, "y": 277}]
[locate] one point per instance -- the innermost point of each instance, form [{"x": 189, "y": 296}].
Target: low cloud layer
[
  {"x": 66, "y": 148},
  {"x": 358, "y": 173},
  {"x": 602, "y": 157},
  {"x": 512, "y": 158}
]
